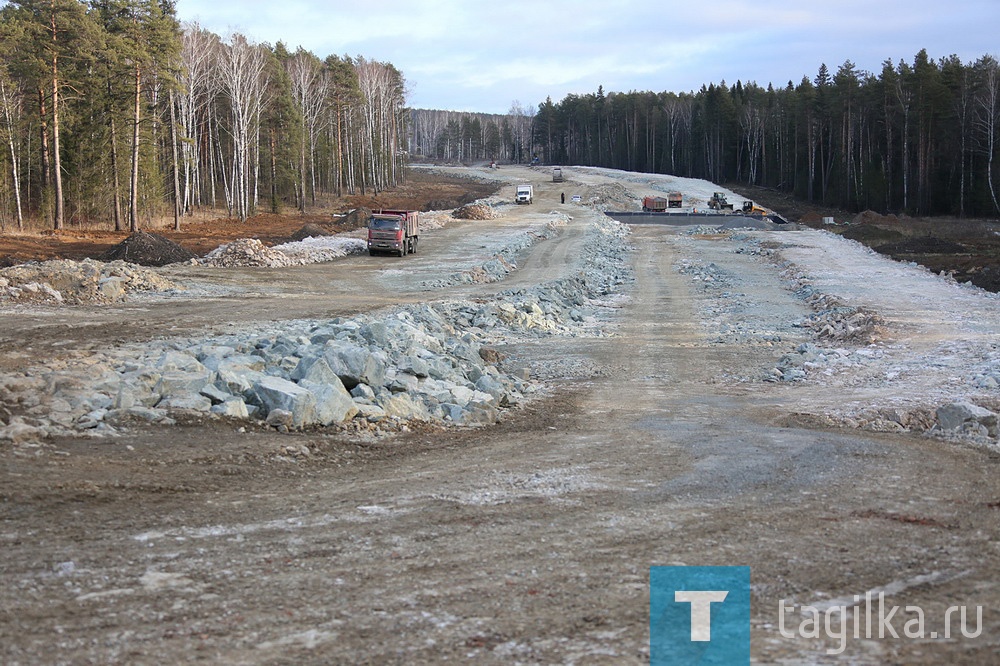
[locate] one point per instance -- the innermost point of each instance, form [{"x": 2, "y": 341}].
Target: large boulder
[
  {"x": 277, "y": 393},
  {"x": 404, "y": 407},
  {"x": 333, "y": 403},
  {"x": 354, "y": 365},
  {"x": 179, "y": 381},
  {"x": 959, "y": 415}
]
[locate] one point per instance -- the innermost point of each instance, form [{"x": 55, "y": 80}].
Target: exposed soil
[
  {"x": 148, "y": 249},
  {"x": 969, "y": 249},
  {"x": 420, "y": 191},
  {"x": 655, "y": 443}
]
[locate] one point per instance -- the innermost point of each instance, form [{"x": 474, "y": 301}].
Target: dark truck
[{"x": 393, "y": 231}]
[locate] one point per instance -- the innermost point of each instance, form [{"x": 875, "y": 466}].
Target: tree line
[
  {"x": 463, "y": 137},
  {"x": 112, "y": 111},
  {"x": 919, "y": 138}
]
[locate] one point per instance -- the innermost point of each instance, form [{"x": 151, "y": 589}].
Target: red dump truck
[
  {"x": 654, "y": 204},
  {"x": 393, "y": 231}
]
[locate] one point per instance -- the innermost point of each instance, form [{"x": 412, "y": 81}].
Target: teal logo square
[{"x": 699, "y": 615}]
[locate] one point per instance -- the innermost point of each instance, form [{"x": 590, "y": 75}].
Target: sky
[{"x": 482, "y": 56}]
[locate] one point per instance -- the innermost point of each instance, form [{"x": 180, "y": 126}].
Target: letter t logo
[{"x": 701, "y": 610}]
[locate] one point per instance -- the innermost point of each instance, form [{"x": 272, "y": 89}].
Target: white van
[{"x": 525, "y": 194}]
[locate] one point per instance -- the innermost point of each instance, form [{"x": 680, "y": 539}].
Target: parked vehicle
[
  {"x": 393, "y": 231},
  {"x": 525, "y": 194},
  {"x": 675, "y": 200},
  {"x": 557, "y": 176},
  {"x": 654, "y": 205}
]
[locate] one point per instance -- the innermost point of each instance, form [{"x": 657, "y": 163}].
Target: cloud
[{"x": 483, "y": 55}]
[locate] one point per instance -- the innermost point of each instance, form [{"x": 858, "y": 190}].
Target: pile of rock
[
  {"x": 434, "y": 219},
  {"x": 710, "y": 275},
  {"x": 837, "y": 321},
  {"x": 246, "y": 252},
  {"x": 610, "y": 196},
  {"x": 251, "y": 252},
  {"x": 87, "y": 281},
  {"x": 323, "y": 248},
  {"x": 424, "y": 362},
  {"x": 476, "y": 211},
  {"x": 809, "y": 358}
]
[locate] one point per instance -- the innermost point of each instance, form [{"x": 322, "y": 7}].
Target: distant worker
[{"x": 563, "y": 197}]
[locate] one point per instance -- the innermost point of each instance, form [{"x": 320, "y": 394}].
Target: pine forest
[
  {"x": 918, "y": 138},
  {"x": 114, "y": 113}
]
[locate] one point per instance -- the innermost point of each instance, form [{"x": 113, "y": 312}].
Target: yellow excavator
[{"x": 750, "y": 208}]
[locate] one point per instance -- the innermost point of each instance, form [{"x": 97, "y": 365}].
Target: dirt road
[{"x": 526, "y": 542}]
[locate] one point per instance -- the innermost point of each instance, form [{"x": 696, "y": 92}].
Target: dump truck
[
  {"x": 525, "y": 194},
  {"x": 654, "y": 204},
  {"x": 393, "y": 231},
  {"x": 675, "y": 200},
  {"x": 718, "y": 202},
  {"x": 557, "y": 176}
]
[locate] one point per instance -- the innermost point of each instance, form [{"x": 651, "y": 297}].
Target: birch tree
[
  {"x": 241, "y": 71},
  {"x": 987, "y": 118}
]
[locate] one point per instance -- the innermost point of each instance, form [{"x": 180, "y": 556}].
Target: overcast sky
[{"x": 477, "y": 55}]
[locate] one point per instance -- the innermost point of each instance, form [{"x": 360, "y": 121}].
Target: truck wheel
[{"x": 402, "y": 250}]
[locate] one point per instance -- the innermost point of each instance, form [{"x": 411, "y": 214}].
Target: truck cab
[{"x": 525, "y": 194}]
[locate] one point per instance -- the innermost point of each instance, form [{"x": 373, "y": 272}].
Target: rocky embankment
[
  {"x": 855, "y": 342},
  {"x": 430, "y": 362},
  {"x": 63, "y": 281}
]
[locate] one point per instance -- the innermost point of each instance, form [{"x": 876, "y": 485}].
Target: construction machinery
[
  {"x": 675, "y": 200},
  {"x": 719, "y": 202},
  {"x": 654, "y": 204},
  {"x": 750, "y": 208},
  {"x": 395, "y": 231},
  {"x": 557, "y": 176}
]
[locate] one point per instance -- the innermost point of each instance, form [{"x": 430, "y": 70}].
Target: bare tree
[
  {"x": 11, "y": 98},
  {"x": 198, "y": 49},
  {"x": 241, "y": 71},
  {"x": 987, "y": 116},
  {"x": 309, "y": 89}
]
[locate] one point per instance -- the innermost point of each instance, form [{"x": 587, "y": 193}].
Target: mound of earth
[
  {"x": 866, "y": 233},
  {"x": 356, "y": 219},
  {"x": 148, "y": 249},
  {"x": 308, "y": 231},
  {"x": 871, "y": 217},
  {"x": 925, "y": 245},
  {"x": 475, "y": 212}
]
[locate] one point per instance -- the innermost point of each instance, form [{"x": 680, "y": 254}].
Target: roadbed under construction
[{"x": 715, "y": 219}]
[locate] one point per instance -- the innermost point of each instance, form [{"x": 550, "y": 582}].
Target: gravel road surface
[{"x": 701, "y": 418}]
